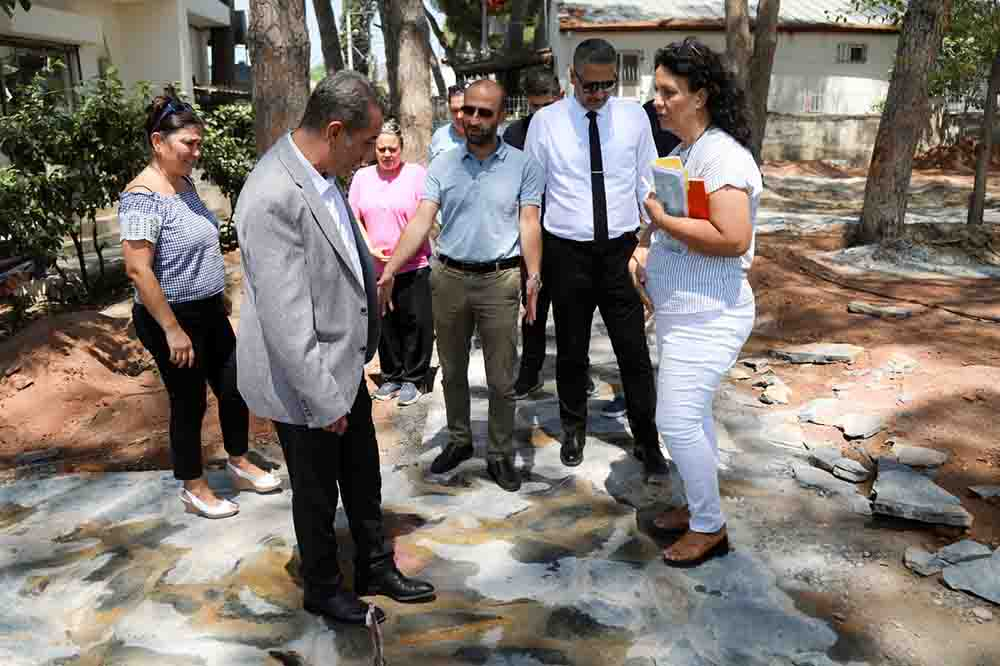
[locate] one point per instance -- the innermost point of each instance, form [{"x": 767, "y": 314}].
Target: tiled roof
[{"x": 609, "y": 13}]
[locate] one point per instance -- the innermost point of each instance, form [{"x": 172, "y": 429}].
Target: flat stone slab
[
  {"x": 777, "y": 394},
  {"x": 819, "y": 353},
  {"x": 988, "y": 493},
  {"x": 739, "y": 373},
  {"x": 920, "y": 561},
  {"x": 823, "y": 411},
  {"x": 880, "y": 311},
  {"x": 861, "y": 425},
  {"x": 757, "y": 363},
  {"x": 825, "y": 457},
  {"x": 963, "y": 551},
  {"x": 902, "y": 492},
  {"x": 918, "y": 456},
  {"x": 810, "y": 477},
  {"x": 979, "y": 577},
  {"x": 851, "y": 470}
]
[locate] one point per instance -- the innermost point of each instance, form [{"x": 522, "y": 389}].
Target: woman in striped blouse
[{"x": 696, "y": 275}]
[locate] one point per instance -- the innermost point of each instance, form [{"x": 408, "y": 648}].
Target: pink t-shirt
[{"x": 385, "y": 207}]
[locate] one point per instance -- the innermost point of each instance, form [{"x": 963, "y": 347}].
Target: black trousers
[
  {"x": 214, "y": 343},
  {"x": 407, "y": 341},
  {"x": 582, "y": 276},
  {"x": 319, "y": 464},
  {"x": 533, "y": 335}
]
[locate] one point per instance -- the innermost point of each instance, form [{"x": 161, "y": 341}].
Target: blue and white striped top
[
  {"x": 681, "y": 281},
  {"x": 188, "y": 261}
]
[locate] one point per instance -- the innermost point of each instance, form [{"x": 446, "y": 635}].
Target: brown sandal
[
  {"x": 696, "y": 547},
  {"x": 674, "y": 520}
]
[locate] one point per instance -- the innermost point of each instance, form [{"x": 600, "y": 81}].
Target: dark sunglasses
[
  {"x": 470, "y": 111},
  {"x": 591, "y": 87},
  {"x": 172, "y": 107}
]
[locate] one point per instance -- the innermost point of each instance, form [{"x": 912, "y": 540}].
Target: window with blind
[
  {"x": 852, "y": 54},
  {"x": 628, "y": 74}
]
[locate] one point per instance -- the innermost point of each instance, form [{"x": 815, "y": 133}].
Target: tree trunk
[
  {"x": 765, "y": 43},
  {"x": 738, "y": 41},
  {"x": 409, "y": 72},
  {"x": 279, "y": 50},
  {"x": 985, "y": 155},
  {"x": 329, "y": 36},
  {"x": 905, "y": 114}
]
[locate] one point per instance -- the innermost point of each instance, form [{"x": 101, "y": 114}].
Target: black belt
[{"x": 480, "y": 267}]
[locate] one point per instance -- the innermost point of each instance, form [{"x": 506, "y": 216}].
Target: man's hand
[
  {"x": 338, "y": 427},
  {"x": 532, "y": 286},
  {"x": 385, "y": 284}
]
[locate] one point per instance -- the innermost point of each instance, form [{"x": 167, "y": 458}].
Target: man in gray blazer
[{"x": 308, "y": 325}]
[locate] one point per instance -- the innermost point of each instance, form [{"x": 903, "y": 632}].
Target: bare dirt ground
[{"x": 78, "y": 392}]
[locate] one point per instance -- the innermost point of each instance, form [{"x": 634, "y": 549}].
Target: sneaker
[
  {"x": 591, "y": 387},
  {"x": 614, "y": 409},
  {"x": 408, "y": 394},
  {"x": 523, "y": 390},
  {"x": 387, "y": 391}
]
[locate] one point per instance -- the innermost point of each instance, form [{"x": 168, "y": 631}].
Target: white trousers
[{"x": 696, "y": 350}]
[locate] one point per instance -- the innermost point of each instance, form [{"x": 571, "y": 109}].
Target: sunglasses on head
[
  {"x": 470, "y": 111},
  {"x": 172, "y": 107},
  {"x": 591, "y": 87}
]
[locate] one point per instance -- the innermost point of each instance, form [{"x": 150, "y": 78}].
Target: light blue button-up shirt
[
  {"x": 481, "y": 201},
  {"x": 444, "y": 139}
]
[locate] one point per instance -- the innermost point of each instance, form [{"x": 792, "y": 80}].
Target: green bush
[{"x": 228, "y": 155}]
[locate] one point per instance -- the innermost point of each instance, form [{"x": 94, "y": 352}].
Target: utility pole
[{"x": 350, "y": 37}]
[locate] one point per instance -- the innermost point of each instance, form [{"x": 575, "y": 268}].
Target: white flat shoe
[
  {"x": 192, "y": 504},
  {"x": 265, "y": 483}
]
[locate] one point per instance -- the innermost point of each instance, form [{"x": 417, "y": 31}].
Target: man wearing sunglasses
[
  {"x": 489, "y": 195},
  {"x": 596, "y": 152}
]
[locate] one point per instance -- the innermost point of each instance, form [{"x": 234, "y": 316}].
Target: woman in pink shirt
[{"x": 384, "y": 197}]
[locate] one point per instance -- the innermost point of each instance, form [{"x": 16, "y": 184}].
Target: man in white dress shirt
[{"x": 596, "y": 152}]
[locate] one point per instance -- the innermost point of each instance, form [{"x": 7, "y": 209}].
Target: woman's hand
[
  {"x": 654, "y": 208},
  {"x": 637, "y": 270},
  {"x": 181, "y": 349},
  {"x": 378, "y": 254}
]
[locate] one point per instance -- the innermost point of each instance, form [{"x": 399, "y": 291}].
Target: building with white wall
[{"x": 159, "y": 41}]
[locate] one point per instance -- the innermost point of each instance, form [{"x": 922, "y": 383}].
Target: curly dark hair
[{"x": 703, "y": 68}]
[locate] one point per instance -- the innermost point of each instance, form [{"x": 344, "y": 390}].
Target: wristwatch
[{"x": 537, "y": 277}]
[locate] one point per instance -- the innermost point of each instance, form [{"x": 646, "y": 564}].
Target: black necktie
[{"x": 597, "y": 181}]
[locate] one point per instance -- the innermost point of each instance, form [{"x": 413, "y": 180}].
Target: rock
[
  {"x": 37, "y": 456},
  {"x": 767, "y": 379},
  {"x": 963, "y": 551},
  {"x": 920, "y": 561},
  {"x": 776, "y": 394},
  {"x": 786, "y": 435},
  {"x": 851, "y": 470},
  {"x": 819, "y": 353},
  {"x": 861, "y": 426},
  {"x": 810, "y": 477},
  {"x": 840, "y": 388},
  {"x": 823, "y": 411},
  {"x": 979, "y": 577},
  {"x": 825, "y": 457},
  {"x": 981, "y": 613},
  {"x": 918, "y": 456},
  {"x": 988, "y": 493},
  {"x": 903, "y": 493},
  {"x": 880, "y": 311},
  {"x": 21, "y": 382},
  {"x": 11, "y": 371},
  {"x": 739, "y": 373},
  {"x": 757, "y": 364},
  {"x": 901, "y": 364}
]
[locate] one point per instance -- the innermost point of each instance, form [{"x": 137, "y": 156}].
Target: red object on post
[{"x": 495, "y": 6}]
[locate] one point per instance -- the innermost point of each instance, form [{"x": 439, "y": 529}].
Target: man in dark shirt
[
  {"x": 542, "y": 88},
  {"x": 665, "y": 141}
]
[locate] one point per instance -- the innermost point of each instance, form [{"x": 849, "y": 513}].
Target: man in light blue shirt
[
  {"x": 451, "y": 135},
  {"x": 489, "y": 196}
]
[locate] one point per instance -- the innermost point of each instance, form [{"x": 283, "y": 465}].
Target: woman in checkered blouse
[{"x": 170, "y": 241}]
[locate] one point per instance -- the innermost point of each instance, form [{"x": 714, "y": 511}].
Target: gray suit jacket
[{"x": 308, "y": 322}]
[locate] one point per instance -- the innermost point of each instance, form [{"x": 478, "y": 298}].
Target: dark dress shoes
[
  {"x": 390, "y": 582},
  {"x": 656, "y": 467},
  {"x": 341, "y": 606},
  {"x": 571, "y": 452},
  {"x": 450, "y": 458},
  {"x": 503, "y": 471}
]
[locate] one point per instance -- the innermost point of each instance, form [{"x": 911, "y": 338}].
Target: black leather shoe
[
  {"x": 341, "y": 606},
  {"x": 450, "y": 458},
  {"x": 571, "y": 452},
  {"x": 503, "y": 471},
  {"x": 390, "y": 582},
  {"x": 654, "y": 464}
]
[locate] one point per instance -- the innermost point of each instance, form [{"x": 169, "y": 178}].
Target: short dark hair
[
  {"x": 166, "y": 114},
  {"x": 539, "y": 81},
  {"x": 455, "y": 90},
  {"x": 346, "y": 96},
  {"x": 594, "y": 51},
  {"x": 705, "y": 70}
]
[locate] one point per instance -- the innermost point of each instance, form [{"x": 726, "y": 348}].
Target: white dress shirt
[
  {"x": 334, "y": 200},
  {"x": 559, "y": 138}
]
